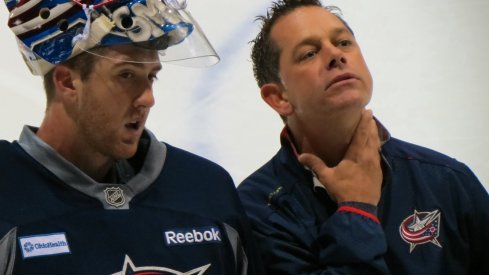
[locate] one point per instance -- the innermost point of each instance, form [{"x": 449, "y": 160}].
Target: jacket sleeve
[
  {"x": 348, "y": 242},
  {"x": 477, "y": 218}
]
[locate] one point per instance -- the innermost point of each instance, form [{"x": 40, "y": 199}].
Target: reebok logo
[{"x": 192, "y": 236}]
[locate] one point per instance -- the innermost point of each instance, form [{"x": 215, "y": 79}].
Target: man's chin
[{"x": 126, "y": 151}]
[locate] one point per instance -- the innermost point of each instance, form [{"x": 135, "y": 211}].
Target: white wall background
[{"x": 429, "y": 60}]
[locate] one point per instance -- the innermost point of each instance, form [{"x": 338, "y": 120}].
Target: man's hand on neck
[{"x": 358, "y": 176}]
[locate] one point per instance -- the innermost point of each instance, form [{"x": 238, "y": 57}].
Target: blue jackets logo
[
  {"x": 44, "y": 245},
  {"x": 131, "y": 268},
  {"x": 421, "y": 228},
  {"x": 192, "y": 236}
]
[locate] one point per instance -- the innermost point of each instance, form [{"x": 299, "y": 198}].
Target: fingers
[
  {"x": 373, "y": 139},
  {"x": 358, "y": 176},
  {"x": 365, "y": 138},
  {"x": 363, "y": 129}
]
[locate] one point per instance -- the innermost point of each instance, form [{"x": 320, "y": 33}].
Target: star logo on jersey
[
  {"x": 114, "y": 196},
  {"x": 130, "y": 269},
  {"x": 421, "y": 228}
]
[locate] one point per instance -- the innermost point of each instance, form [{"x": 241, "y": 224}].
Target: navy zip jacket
[{"x": 433, "y": 218}]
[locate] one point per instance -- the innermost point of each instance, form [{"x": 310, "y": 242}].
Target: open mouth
[{"x": 133, "y": 125}]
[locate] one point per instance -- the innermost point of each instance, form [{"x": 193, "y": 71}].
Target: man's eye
[
  {"x": 307, "y": 55},
  {"x": 152, "y": 77},
  {"x": 345, "y": 43},
  {"x": 127, "y": 75}
]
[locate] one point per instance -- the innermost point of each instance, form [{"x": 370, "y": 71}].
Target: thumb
[{"x": 317, "y": 166}]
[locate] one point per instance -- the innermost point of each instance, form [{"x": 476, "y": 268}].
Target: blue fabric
[
  {"x": 191, "y": 195},
  {"x": 438, "y": 202}
]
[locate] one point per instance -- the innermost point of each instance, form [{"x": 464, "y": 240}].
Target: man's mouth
[
  {"x": 340, "y": 78},
  {"x": 133, "y": 125}
]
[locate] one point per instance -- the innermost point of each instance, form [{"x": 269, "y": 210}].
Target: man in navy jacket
[{"x": 342, "y": 196}]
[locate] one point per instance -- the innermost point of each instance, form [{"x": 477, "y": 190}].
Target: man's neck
[
  {"x": 56, "y": 131},
  {"x": 327, "y": 139}
]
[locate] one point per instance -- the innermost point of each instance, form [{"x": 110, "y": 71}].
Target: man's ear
[
  {"x": 275, "y": 96},
  {"x": 64, "y": 79}
]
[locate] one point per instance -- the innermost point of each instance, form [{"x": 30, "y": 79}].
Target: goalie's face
[{"x": 111, "y": 106}]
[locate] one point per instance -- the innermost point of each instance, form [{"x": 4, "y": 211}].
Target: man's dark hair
[
  {"x": 265, "y": 54},
  {"x": 83, "y": 63}
]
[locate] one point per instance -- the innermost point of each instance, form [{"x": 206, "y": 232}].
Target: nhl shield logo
[
  {"x": 114, "y": 196},
  {"x": 421, "y": 228}
]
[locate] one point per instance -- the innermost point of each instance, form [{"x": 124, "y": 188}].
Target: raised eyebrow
[
  {"x": 140, "y": 65},
  {"x": 307, "y": 42},
  {"x": 342, "y": 30},
  {"x": 317, "y": 40},
  {"x": 157, "y": 67}
]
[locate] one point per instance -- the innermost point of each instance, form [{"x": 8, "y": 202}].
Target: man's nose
[
  {"x": 337, "y": 62},
  {"x": 335, "y": 57},
  {"x": 146, "y": 98}
]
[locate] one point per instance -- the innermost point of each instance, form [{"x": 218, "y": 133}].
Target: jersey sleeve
[{"x": 7, "y": 252}]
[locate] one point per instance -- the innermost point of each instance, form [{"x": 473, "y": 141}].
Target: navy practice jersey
[{"x": 178, "y": 214}]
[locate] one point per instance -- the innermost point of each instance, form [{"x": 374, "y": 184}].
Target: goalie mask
[{"x": 52, "y": 31}]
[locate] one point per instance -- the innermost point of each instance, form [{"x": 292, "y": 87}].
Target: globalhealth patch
[
  {"x": 44, "y": 245},
  {"x": 186, "y": 236}
]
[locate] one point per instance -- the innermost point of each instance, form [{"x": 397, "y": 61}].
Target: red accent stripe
[
  {"x": 346, "y": 208},
  {"x": 31, "y": 14},
  {"x": 285, "y": 137}
]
